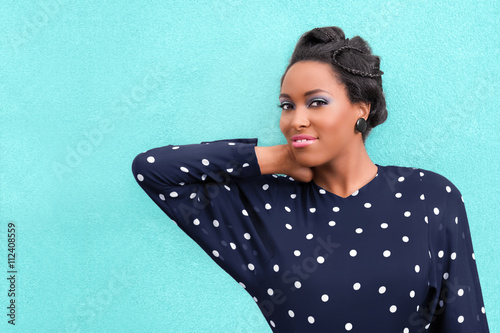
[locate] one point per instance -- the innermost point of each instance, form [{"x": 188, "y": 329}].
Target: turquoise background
[{"x": 85, "y": 86}]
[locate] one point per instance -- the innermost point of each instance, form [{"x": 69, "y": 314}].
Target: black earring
[{"x": 361, "y": 125}]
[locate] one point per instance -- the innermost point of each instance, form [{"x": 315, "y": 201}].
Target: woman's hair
[{"x": 354, "y": 65}]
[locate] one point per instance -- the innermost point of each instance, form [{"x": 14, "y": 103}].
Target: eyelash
[{"x": 281, "y": 105}]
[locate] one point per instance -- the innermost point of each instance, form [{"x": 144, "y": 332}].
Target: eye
[
  {"x": 319, "y": 101},
  {"x": 284, "y": 106}
]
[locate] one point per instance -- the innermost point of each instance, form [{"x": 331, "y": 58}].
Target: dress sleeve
[
  {"x": 460, "y": 307},
  {"x": 198, "y": 187}
]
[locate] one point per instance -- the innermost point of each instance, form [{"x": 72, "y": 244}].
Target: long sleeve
[
  {"x": 460, "y": 307},
  {"x": 197, "y": 186}
]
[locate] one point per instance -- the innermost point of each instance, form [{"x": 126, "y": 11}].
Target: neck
[{"x": 347, "y": 172}]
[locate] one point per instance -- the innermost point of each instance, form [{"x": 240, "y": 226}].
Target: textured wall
[{"x": 86, "y": 86}]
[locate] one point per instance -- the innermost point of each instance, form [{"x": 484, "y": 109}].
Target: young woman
[{"x": 322, "y": 238}]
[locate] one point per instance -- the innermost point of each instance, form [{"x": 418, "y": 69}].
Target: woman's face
[{"x": 315, "y": 104}]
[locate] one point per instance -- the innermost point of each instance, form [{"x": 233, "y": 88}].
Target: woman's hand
[{"x": 280, "y": 159}]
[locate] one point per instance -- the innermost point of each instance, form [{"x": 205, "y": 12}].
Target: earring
[{"x": 361, "y": 125}]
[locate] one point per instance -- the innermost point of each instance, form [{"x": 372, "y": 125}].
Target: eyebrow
[{"x": 310, "y": 92}]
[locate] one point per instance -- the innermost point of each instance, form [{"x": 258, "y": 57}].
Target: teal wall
[{"x": 87, "y": 85}]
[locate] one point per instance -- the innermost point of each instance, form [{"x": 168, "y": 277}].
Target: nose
[{"x": 300, "y": 118}]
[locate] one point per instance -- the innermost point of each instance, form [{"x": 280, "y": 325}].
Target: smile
[{"x": 303, "y": 143}]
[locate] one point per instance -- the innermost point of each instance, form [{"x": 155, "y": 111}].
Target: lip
[{"x": 301, "y": 144}]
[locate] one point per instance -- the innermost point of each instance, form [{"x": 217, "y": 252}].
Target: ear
[{"x": 363, "y": 109}]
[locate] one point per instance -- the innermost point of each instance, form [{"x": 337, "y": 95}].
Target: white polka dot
[
  {"x": 233, "y": 246},
  {"x": 242, "y": 284},
  {"x": 255, "y": 299},
  {"x": 359, "y": 230},
  {"x": 270, "y": 292},
  {"x": 205, "y": 161},
  {"x": 296, "y": 253},
  {"x": 412, "y": 293},
  {"x": 265, "y": 187},
  {"x": 336, "y": 209},
  {"x": 192, "y": 195},
  {"x": 288, "y": 209},
  {"x": 293, "y": 196},
  {"x": 215, "y": 253},
  {"x": 268, "y": 206},
  {"x": 398, "y": 195},
  {"x": 422, "y": 197},
  {"x": 356, "y": 286},
  {"x": 407, "y": 213},
  {"x": 272, "y": 323},
  {"x": 406, "y": 239},
  {"x": 140, "y": 177},
  {"x": 384, "y": 225},
  {"x": 175, "y": 147},
  {"x": 417, "y": 268},
  {"x": 421, "y": 174},
  {"x": 227, "y": 187},
  {"x": 453, "y": 256},
  {"x": 297, "y": 284},
  {"x": 426, "y": 219},
  {"x": 331, "y": 223},
  {"x": 288, "y": 226},
  {"x": 216, "y": 223},
  {"x": 440, "y": 253},
  {"x": 310, "y": 319},
  {"x": 322, "y": 191},
  {"x": 325, "y": 298},
  {"x": 393, "y": 308},
  {"x": 245, "y": 165},
  {"x": 162, "y": 197},
  {"x": 368, "y": 205},
  {"x": 276, "y": 268},
  {"x": 309, "y": 236},
  {"x": 382, "y": 290},
  {"x": 291, "y": 313},
  {"x": 460, "y": 292},
  {"x": 229, "y": 170},
  {"x": 247, "y": 235},
  {"x": 400, "y": 179},
  {"x": 151, "y": 159},
  {"x": 348, "y": 326},
  {"x": 460, "y": 319},
  {"x": 312, "y": 210},
  {"x": 483, "y": 310},
  {"x": 320, "y": 259},
  {"x": 196, "y": 222},
  {"x": 406, "y": 330},
  {"x": 456, "y": 220},
  {"x": 353, "y": 253},
  {"x": 174, "y": 194},
  {"x": 387, "y": 253},
  {"x": 446, "y": 276},
  {"x": 448, "y": 189},
  {"x": 251, "y": 267},
  {"x": 184, "y": 169},
  {"x": 203, "y": 177},
  {"x": 473, "y": 256},
  {"x": 436, "y": 210},
  {"x": 244, "y": 212}
]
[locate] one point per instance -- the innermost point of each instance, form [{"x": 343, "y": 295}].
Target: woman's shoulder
[{"x": 429, "y": 179}]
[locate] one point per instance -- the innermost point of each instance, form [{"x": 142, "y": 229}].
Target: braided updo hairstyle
[{"x": 353, "y": 63}]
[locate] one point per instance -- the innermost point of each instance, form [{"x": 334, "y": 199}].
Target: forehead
[{"x": 307, "y": 75}]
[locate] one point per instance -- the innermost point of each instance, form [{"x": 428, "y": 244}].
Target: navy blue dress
[{"x": 394, "y": 256}]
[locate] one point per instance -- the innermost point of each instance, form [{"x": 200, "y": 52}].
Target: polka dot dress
[{"x": 394, "y": 256}]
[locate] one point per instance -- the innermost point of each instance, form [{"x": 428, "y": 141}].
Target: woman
[{"x": 322, "y": 238}]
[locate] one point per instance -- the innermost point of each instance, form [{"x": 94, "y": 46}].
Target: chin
[{"x": 307, "y": 160}]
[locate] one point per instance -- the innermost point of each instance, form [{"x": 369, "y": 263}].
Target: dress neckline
[{"x": 355, "y": 193}]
